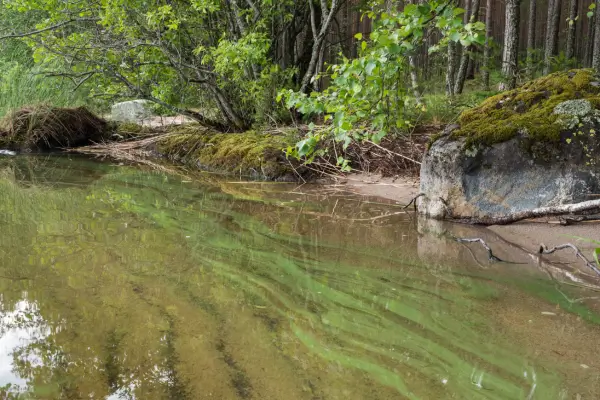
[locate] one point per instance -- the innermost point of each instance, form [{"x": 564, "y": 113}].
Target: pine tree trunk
[
  {"x": 553, "y": 22},
  {"x": 596, "y": 54},
  {"x": 473, "y": 15},
  {"x": 531, "y": 39},
  {"x": 487, "y": 47},
  {"x": 570, "y": 52},
  {"x": 511, "y": 44},
  {"x": 589, "y": 45}
]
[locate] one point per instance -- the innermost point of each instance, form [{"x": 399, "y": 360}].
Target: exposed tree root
[
  {"x": 578, "y": 253},
  {"x": 586, "y": 206}
]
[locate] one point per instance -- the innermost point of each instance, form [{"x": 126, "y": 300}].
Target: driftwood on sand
[{"x": 591, "y": 206}]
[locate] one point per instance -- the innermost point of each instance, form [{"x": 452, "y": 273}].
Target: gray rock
[
  {"x": 521, "y": 174},
  {"x": 132, "y": 111}
]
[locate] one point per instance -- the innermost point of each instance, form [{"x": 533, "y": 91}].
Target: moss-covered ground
[
  {"x": 251, "y": 153},
  {"x": 528, "y": 109}
]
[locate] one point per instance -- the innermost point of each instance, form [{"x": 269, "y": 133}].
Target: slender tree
[
  {"x": 319, "y": 35},
  {"x": 451, "y": 70},
  {"x": 461, "y": 76},
  {"x": 553, "y": 22},
  {"x": 596, "y": 53},
  {"x": 511, "y": 44},
  {"x": 531, "y": 38},
  {"x": 487, "y": 47},
  {"x": 412, "y": 65},
  {"x": 573, "y": 6}
]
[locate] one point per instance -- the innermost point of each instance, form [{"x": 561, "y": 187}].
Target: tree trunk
[
  {"x": 589, "y": 45},
  {"x": 473, "y": 15},
  {"x": 487, "y": 46},
  {"x": 451, "y": 70},
  {"x": 511, "y": 44},
  {"x": 531, "y": 39},
  {"x": 412, "y": 65},
  {"x": 553, "y": 23},
  {"x": 319, "y": 38},
  {"x": 596, "y": 54},
  {"x": 570, "y": 52},
  {"x": 414, "y": 78}
]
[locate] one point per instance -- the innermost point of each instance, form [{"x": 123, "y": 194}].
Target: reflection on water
[{"x": 118, "y": 283}]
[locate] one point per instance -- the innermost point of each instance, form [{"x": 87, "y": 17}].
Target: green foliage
[
  {"x": 181, "y": 55},
  {"x": 368, "y": 97}
]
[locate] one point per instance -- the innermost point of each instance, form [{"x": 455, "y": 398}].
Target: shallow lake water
[{"x": 117, "y": 282}]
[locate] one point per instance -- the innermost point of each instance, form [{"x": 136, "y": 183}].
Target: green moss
[
  {"x": 251, "y": 153},
  {"x": 529, "y": 108}
]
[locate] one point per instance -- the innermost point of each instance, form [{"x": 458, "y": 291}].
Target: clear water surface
[{"x": 117, "y": 282}]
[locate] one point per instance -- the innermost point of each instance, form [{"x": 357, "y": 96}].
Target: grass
[{"x": 24, "y": 86}]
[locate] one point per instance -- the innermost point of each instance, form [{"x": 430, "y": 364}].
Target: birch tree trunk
[
  {"x": 487, "y": 46},
  {"x": 570, "y": 51},
  {"x": 473, "y": 15},
  {"x": 412, "y": 65},
  {"x": 553, "y": 23},
  {"x": 511, "y": 44},
  {"x": 596, "y": 53},
  {"x": 531, "y": 39}
]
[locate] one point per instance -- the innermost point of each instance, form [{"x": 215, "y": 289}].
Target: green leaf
[
  {"x": 371, "y": 65},
  {"x": 359, "y": 36}
]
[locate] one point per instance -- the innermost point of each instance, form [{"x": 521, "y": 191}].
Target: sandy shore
[
  {"x": 401, "y": 190},
  {"x": 531, "y": 235}
]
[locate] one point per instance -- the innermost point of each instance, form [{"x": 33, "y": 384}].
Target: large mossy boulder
[{"x": 531, "y": 147}]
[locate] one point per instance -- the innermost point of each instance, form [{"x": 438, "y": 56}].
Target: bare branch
[{"x": 49, "y": 28}]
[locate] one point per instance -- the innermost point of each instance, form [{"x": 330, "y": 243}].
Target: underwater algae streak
[{"x": 148, "y": 287}]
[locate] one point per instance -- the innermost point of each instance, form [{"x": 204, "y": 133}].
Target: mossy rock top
[{"x": 532, "y": 109}]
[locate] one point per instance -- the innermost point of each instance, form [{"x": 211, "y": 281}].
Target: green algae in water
[{"x": 136, "y": 284}]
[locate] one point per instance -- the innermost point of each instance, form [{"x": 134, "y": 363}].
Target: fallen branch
[
  {"x": 578, "y": 253},
  {"x": 591, "y": 205},
  {"x": 491, "y": 255},
  {"x": 575, "y": 219}
]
